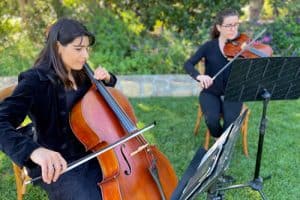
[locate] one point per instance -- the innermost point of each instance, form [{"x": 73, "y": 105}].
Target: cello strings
[{"x": 126, "y": 122}]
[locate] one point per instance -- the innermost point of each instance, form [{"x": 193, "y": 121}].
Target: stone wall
[{"x": 145, "y": 85}]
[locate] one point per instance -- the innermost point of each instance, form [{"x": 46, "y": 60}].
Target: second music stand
[
  {"x": 262, "y": 79},
  {"x": 206, "y": 169}
]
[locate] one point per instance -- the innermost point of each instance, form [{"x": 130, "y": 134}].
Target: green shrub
[
  {"x": 285, "y": 33},
  {"x": 125, "y": 48},
  {"x": 17, "y": 57},
  {"x": 122, "y": 45}
]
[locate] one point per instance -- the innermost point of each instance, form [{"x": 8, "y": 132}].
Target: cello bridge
[{"x": 139, "y": 149}]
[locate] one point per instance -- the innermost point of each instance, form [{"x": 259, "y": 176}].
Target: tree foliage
[
  {"x": 186, "y": 16},
  {"x": 134, "y": 36}
]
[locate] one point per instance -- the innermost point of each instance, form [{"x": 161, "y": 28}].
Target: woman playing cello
[
  {"x": 46, "y": 93},
  {"x": 65, "y": 108}
]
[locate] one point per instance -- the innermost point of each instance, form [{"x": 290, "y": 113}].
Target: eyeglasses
[{"x": 229, "y": 26}]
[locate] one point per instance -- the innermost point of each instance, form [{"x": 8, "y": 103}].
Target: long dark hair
[
  {"x": 220, "y": 19},
  {"x": 65, "y": 31}
]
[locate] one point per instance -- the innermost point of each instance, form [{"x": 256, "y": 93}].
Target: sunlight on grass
[
  {"x": 149, "y": 135},
  {"x": 2, "y": 155},
  {"x": 144, "y": 107}
]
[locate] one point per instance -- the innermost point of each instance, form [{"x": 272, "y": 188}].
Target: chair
[
  {"x": 244, "y": 129},
  {"x": 6, "y": 92},
  {"x": 20, "y": 174},
  {"x": 21, "y": 178}
]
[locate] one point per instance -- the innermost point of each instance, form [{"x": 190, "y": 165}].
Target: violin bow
[{"x": 238, "y": 54}]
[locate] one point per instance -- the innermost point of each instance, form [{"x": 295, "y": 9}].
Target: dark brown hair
[
  {"x": 65, "y": 31},
  {"x": 219, "y": 21}
]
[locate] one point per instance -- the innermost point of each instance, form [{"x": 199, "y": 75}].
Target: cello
[{"x": 134, "y": 170}]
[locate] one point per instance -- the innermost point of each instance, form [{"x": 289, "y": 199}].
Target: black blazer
[{"x": 42, "y": 97}]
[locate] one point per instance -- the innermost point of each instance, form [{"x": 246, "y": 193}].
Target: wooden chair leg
[
  {"x": 244, "y": 130},
  {"x": 245, "y": 134},
  {"x": 207, "y": 137},
  {"x": 21, "y": 178},
  {"x": 198, "y": 120},
  {"x": 6, "y": 92},
  {"x": 196, "y": 129},
  {"x": 19, "y": 182}
]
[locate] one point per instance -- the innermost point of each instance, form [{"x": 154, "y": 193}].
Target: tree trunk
[
  {"x": 254, "y": 10},
  {"x": 58, "y": 7},
  {"x": 22, "y": 8}
]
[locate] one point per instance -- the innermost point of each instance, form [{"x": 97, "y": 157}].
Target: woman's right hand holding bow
[
  {"x": 51, "y": 163},
  {"x": 205, "y": 81}
]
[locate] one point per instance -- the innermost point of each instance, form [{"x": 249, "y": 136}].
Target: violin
[
  {"x": 242, "y": 46},
  {"x": 256, "y": 50}
]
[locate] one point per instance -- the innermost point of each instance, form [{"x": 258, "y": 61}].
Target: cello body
[{"x": 128, "y": 169}]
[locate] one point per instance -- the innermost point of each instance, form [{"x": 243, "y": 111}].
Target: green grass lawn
[{"x": 173, "y": 135}]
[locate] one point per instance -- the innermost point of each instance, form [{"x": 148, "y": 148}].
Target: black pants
[
  {"x": 212, "y": 106},
  {"x": 78, "y": 184}
]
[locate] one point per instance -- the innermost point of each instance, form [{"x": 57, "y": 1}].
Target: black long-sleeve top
[
  {"x": 214, "y": 61},
  {"x": 48, "y": 106}
]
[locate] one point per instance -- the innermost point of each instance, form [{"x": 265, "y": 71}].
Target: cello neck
[{"x": 126, "y": 122}]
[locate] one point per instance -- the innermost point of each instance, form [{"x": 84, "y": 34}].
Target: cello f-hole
[{"x": 128, "y": 171}]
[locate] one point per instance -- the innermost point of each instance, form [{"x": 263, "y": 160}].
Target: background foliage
[{"x": 140, "y": 37}]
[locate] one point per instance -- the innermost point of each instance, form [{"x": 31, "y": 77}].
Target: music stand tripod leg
[{"x": 257, "y": 182}]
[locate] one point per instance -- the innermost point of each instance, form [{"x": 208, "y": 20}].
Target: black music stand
[
  {"x": 262, "y": 79},
  {"x": 206, "y": 168}
]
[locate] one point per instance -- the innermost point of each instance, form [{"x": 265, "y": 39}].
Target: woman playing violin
[
  {"x": 46, "y": 93},
  {"x": 211, "y": 98}
]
